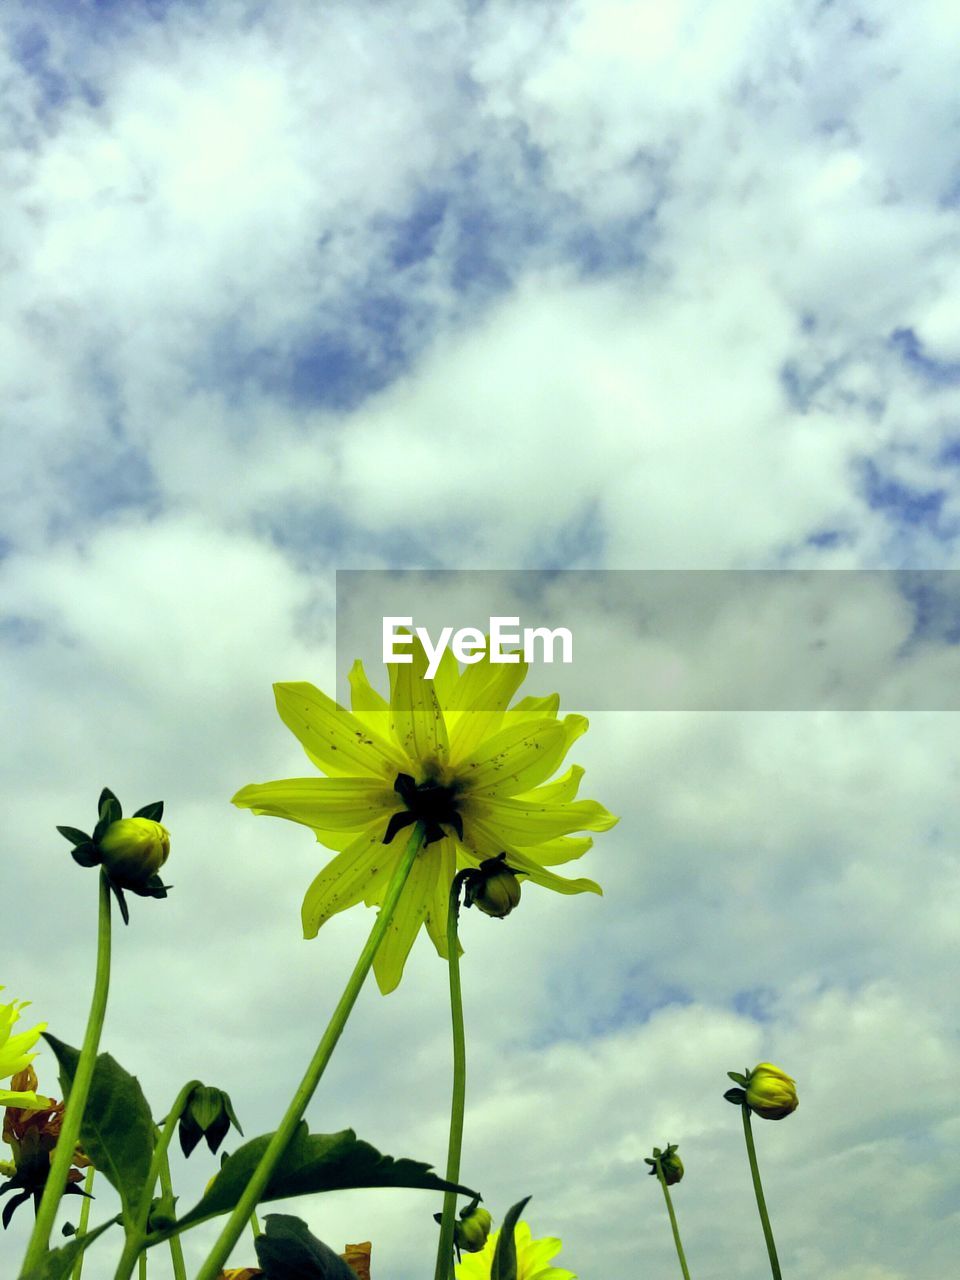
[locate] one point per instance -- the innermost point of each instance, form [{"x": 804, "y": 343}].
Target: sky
[{"x": 292, "y": 289}]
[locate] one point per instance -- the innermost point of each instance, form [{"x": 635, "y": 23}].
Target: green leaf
[
  {"x": 736, "y": 1096},
  {"x": 737, "y": 1078},
  {"x": 108, "y": 805},
  {"x": 314, "y": 1162},
  {"x": 504, "y": 1265},
  {"x": 288, "y": 1251},
  {"x": 117, "y": 1132},
  {"x": 74, "y": 835},
  {"x": 58, "y": 1263}
]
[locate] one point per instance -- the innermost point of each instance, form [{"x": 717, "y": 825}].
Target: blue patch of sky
[
  {"x": 18, "y": 632},
  {"x": 302, "y": 532},
  {"x": 907, "y": 506},
  {"x": 579, "y": 542},
  {"x": 757, "y": 1003},
  {"x": 934, "y": 597},
  {"x": 910, "y": 349},
  {"x": 99, "y": 485},
  {"x": 574, "y": 1012}
]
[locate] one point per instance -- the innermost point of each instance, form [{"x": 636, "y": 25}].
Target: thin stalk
[
  {"x": 673, "y": 1222},
  {"x": 143, "y": 1266},
  {"x": 176, "y": 1249},
  {"x": 137, "y": 1230},
  {"x": 255, "y": 1225},
  {"x": 444, "y": 1267},
  {"x": 278, "y": 1144},
  {"x": 84, "y": 1219},
  {"x": 758, "y": 1189},
  {"x": 79, "y": 1090}
]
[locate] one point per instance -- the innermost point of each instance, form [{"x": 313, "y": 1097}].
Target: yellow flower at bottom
[
  {"x": 533, "y": 1258},
  {"x": 450, "y": 753},
  {"x": 15, "y": 1055}
]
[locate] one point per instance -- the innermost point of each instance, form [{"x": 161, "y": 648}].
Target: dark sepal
[
  {"x": 109, "y": 810},
  {"x": 737, "y": 1078},
  {"x": 153, "y": 811},
  {"x": 121, "y": 900},
  {"x": 74, "y": 836},
  {"x": 86, "y": 855},
  {"x": 163, "y": 1212},
  {"x": 736, "y": 1096},
  {"x": 10, "y": 1208}
]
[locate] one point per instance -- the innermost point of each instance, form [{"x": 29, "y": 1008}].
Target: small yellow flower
[
  {"x": 450, "y": 753},
  {"x": 134, "y": 849},
  {"x": 771, "y": 1093},
  {"x": 15, "y": 1055},
  {"x": 533, "y": 1258}
]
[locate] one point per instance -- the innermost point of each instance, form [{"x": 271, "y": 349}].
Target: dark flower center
[{"x": 431, "y": 803}]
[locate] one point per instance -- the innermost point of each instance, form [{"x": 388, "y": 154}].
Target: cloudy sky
[{"x": 513, "y": 284}]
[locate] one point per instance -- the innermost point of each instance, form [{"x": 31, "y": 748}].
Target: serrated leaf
[
  {"x": 59, "y": 1263},
  {"x": 504, "y": 1265},
  {"x": 74, "y": 835},
  {"x": 288, "y": 1251},
  {"x": 312, "y": 1163},
  {"x": 117, "y": 1132},
  {"x": 153, "y": 811}
]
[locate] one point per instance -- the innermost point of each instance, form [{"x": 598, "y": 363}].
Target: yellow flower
[
  {"x": 15, "y": 1055},
  {"x": 533, "y": 1258},
  {"x": 449, "y": 752},
  {"x": 771, "y": 1093}
]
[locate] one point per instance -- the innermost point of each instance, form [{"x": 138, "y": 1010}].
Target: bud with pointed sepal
[
  {"x": 208, "y": 1114},
  {"x": 493, "y": 887},
  {"x": 770, "y": 1092},
  {"x": 670, "y": 1164}
]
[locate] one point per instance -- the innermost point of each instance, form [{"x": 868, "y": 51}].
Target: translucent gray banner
[{"x": 665, "y": 640}]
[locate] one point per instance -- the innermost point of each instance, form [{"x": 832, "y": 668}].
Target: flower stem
[
  {"x": 444, "y": 1267},
  {"x": 137, "y": 1230},
  {"x": 176, "y": 1249},
  {"x": 260, "y": 1177},
  {"x": 84, "y": 1220},
  {"x": 79, "y": 1089},
  {"x": 758, "y": 1189},
  {"x": 255, "y": 1225},
  {"x": 673, "y": 1222}
]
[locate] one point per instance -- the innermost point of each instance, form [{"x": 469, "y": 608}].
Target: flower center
[{"x": 431, "y": 802}]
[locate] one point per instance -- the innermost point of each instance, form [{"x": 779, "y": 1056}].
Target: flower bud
[
  {"x": 134, "y": 849},
  {"x": 770, "y": 1092},
  {"x": 471, "y": 1231},
  {"x": 670, "y": 1164},
  {"x": 208, "y": 1114},
  {"x": 493, "y": 887}
]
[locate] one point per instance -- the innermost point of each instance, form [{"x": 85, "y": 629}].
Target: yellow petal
[
  {"x": 485, "y": 716},
  {"x": 560, "y": 792},
  {"x": 336, "y": 741},
  {"x": 534, "y": 709},
  {"x": 486, "y": 841},
  {"x": 436, "y": 919},
  {"x": 553, "y": 853},
  {"x": 415, "y": 716},
  {"x": 369, "y": 706},
  {"x": 521, "y": 822},
  {"x": 517, "y": 758},
  {"x": 409, "y": 915},
  {"x": 331, "y": 804},
  {"x": 343, "y": 882}
]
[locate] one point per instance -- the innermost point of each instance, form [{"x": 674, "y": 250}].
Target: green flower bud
[
  {"x": 770, "y": 1092},
  {"x": 470, "y": 1233},
  {"x": 133, "y": 850},
  {"x": 493, "y": 887},
  {"x": 208, "y": 1114},
  {"x": 670, "y": 1164}
]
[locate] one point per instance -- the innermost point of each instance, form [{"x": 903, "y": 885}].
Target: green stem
[
  {"x": 673, "y": 1222},
  {"x": 137, "y": 1230},
  {"x": 260, "y": 1177},
  {"x": 143, "y": 1266},
  {"x": 758, "y": 1189},
  {"x": 255, "y": 1225},
  {"x": 79, "y": 1089},
  {"x": 84, "y": 1219},
  {"x": 444, "y": 1267},
  {"x": 176, "y": 1249}
]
